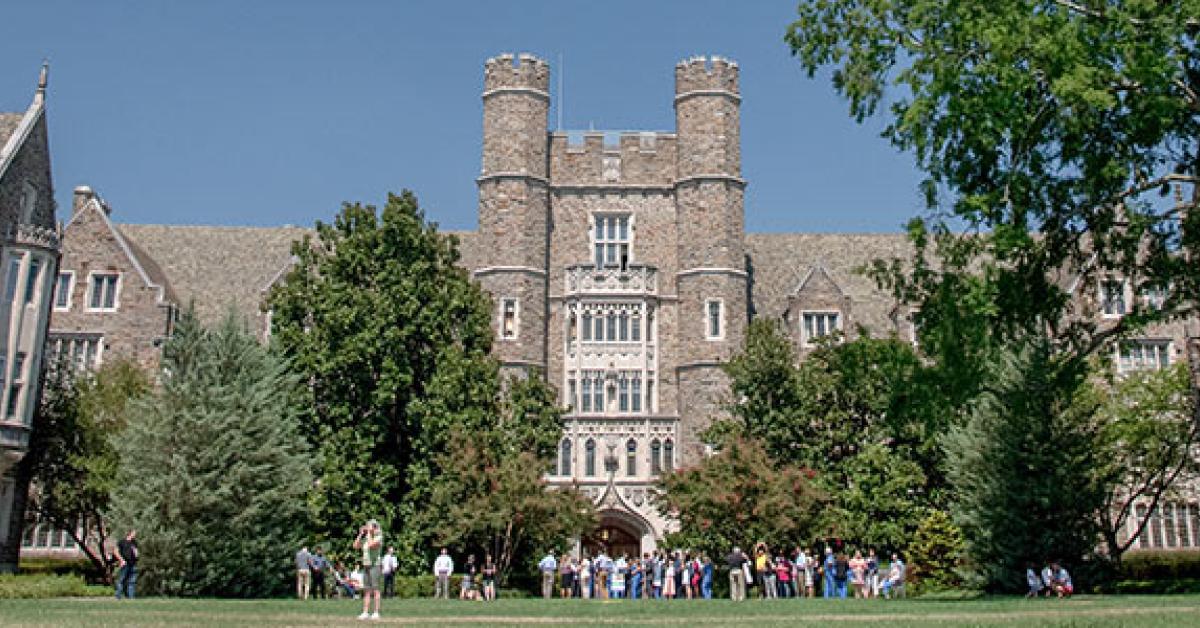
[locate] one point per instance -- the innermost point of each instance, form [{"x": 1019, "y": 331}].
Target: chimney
[{"x": 83, "y": 195}]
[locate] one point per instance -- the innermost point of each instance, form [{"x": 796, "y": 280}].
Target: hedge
[
  {"x": 28, "y": 586},
  {"x": 1159, "y": 565}
]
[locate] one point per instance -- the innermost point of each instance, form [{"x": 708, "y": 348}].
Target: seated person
[
  {"x": 1062, "y": 581},
  {"x": 344, "y": 584}
]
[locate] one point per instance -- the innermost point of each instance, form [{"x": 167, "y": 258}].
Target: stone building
[
  {"x": 619, "y": 267},
  {"x": 29, "y": 258}
]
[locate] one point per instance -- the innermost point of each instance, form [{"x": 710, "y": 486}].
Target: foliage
[
  {"x": 74, "y": 455},
  {"x": 936, "y": 555},
  {"x": 392, "y": 341},
  {"x": 1160, "y": 565},
  {"x": 1053, "y": 127},
  {"x": 1148, "y": 433},
  {"x": 214, "y": 473},
  {"x": 1024, "y": 468},
  {"x": 856, "y": 413},
  {"x": 492, "y": 484},
  {"x": 48, "y": 586},
  {"x": 740, "y": 496}
]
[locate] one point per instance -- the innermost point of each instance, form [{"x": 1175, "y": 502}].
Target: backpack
[{"x": 839, "y": 570}]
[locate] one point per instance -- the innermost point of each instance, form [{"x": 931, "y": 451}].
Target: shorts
[
  {"x": 1068, "y": 589},
  {"x": 568, "y": 580},
  {"x": 468, "y": 582},
  {"x": 372, "y": 576}
]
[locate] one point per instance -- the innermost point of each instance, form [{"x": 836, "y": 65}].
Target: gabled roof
[
  {"x": 817, "y": 279},
  {"x": 783, "y": 263},
  {"x": 218, "y": 267},
  {"x": 14, "y": 132},
  {"x": 145, "y": 265},
  {"x": 8, "y": 124}
]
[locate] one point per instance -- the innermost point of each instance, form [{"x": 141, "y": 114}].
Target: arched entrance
[{"x": 618, "y": 535}]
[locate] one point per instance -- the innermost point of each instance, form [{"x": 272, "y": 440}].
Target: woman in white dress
[{"x": 585, "y": 578}]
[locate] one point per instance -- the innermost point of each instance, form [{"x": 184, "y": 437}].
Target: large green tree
[
  {"x": 492, "y": 484},
  {"x": 214, "y": 473},
  {"x": 1024, "y": 467},
  {"x": 740, "y": 496},
  {"x": 73, "y": 449},
  {"x": 391, "y": 338}
]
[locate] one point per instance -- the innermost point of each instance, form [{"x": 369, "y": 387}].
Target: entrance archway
[{"x": 617, "y": 535}]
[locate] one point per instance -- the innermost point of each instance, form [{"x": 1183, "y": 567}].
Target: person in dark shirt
[
  {"x": 737, "y": 574},
  {"x": 319, "y": 567},
  {"x": 127, "y": 556}
]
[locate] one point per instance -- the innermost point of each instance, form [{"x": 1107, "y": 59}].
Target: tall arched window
[
  {"x": 668, "y": 455},
  {"x": 631, "y": 458},
  {"x": 589, "y": 458},
  {"x": 655, "y": 457},
  {"x": 565, "y": 462}
]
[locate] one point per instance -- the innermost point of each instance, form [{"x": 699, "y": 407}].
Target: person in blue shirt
[
  {"x": 706, "y": 579},
  {"x": 827, "y": 571},
  {"x": 549, "y": 568}
]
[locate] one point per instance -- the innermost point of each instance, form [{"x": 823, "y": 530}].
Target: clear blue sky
[{"x": 271, "y": 112}]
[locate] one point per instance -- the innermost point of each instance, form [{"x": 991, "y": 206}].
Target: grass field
[{"x": 1156, "y": 611}]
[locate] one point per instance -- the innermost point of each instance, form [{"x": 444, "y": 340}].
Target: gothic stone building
[
  {"x": 29, "y": 259},
  {"x": 619, "y": 268}
]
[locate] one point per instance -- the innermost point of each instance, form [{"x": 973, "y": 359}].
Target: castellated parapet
[
  {"x": 524, "y": 71},
  {"x": 701, "y": 74}
]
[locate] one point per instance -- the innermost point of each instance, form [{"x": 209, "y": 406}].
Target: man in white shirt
[
  {"x": 548, "y": 567},
  {"x": 390, "y": 565},
  {"x": 442, "y": 568}
]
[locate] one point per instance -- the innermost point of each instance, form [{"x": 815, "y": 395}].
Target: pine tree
[
  {"x": 214, "y": 474},
  {"x": 1024, "y": 469}
]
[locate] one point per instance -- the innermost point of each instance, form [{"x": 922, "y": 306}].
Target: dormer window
[
  {"x": 610, "y": 240},
  {"x": 817, "y": 325}
]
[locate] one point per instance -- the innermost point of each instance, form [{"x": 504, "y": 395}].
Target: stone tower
[
  {"x": 712, "y": 281},
  {"x": 514, "y": 205}
]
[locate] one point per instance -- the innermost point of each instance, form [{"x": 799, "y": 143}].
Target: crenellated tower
[
  {"x": 514, "y": 205},
  {"x": 712, "y": 280}
]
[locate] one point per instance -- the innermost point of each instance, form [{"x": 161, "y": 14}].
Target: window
[
  {"x": 10, "y": 281},
  {"x": 1153, "y": 297},
  {"x": 80, "y": 351},
  {"x": 104, "y": 288},
  {"x": 817, "y": 325},
  {"x": 1112, "y": 298},
  {"x": 597, "y": 391},
  {"x": 611, "y": 240},
  {"x": 62, "y": 290},
  {"x": 572, "y": 400},
  {"x": 714, "y": 317},
  {"x": 31, "y": 281},
  {"x": 623, "y": 392},
  {"x": 15, "y": 388},
  {"x": 1171, "y": 525},
  {"x": 631, "y": 458},
  {"x": 565, "y": 458},
  {"x": 587, "y": 326},
  {"x": 508, "y": 319},
  {"x": 612, "y": 322},
  {"x": 586, "y": 406},
  {"x": 589, "y": 460},
  {"x": 650, "y": 392},
  {"x": 655, "y": 457},
  {"x": 1144, "y": 355},
  {"x": 635, "y": 329},
  {"x": 635, "y": 396},
  {"x": 668, "y": 455}
]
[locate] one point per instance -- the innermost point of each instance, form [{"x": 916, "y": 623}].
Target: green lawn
[{"x": 1156, "y": 611}]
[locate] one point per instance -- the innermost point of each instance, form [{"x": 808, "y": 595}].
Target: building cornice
[
  {"x": 661, "y": 188},
  {"x": 711, "y": 270},
  {"x": 524, "y": 91},
  {"x": 497, "y": 270},
  {"x": 524, "y": 176},
  {"x": 710, "y": 176},
  {"x": 722, "y": 93}
]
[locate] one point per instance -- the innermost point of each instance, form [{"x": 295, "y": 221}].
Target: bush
[
  {"x": 936, "y": 554},
  {"x": 1182, "y": 585},
  {"x": 1152, "y": 565},
  {"x": 38, "y": 586}
]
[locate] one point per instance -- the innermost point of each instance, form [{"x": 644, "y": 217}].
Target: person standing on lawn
[
  {"x": 127, "y": 555},
  {"x": 319, "y": 567},
  {"x": 390, "y": 565},
  {"x": 442, "y": 568},
  {"x": 736, "y": 561},
  {"x": 370, "y": 541},
  {"x": 303, "y": 573},
  {"x": 549, "y": 567}
]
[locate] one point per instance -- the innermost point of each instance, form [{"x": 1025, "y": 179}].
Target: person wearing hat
[
  {"x": 370, "y": 541},
  {"x": 548, "y": 567}
]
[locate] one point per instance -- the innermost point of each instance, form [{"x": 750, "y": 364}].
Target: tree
[
  {"x": 74, "y": 473},
  {"x": 880, "y": 500},
  {"x": 392, "y": 341},
  {"x": 740, "y": 496},
  {"x": 935, "y": 560},
  {"x": 492, "y": 482},
  {"x": 1148, "y": 438},
  {"x": 1053, "y": 126},
  {"x": 214, "y": 474},
  {"x": 1024, "y": 467}
]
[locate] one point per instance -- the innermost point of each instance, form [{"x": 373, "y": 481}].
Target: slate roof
[
  {"x": 215, "y": 266},
  {"x": 8, "y": 124},
  {"x": 779, "y": 262}
]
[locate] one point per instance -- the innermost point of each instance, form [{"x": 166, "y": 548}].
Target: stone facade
[
  {"x": 620, "y": 270},
  {"x": 29, "y": 258}
]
